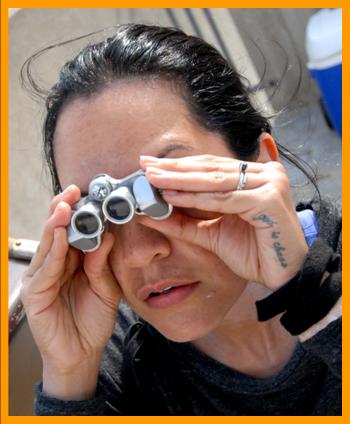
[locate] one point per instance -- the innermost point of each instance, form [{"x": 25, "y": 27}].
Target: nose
[{"x": 139, "y": 245}]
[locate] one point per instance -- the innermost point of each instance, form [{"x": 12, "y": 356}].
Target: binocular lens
[
  {"x": 86, "y": 223},
  {"x": 118, "y": 208}
]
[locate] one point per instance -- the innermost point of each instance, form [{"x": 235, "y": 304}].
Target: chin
[{"x": 184, "y": 332}]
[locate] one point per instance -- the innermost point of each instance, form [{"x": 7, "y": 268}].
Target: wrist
[
  {"x": 78, "y": 383},
  {"x": 293, "y": 268}
]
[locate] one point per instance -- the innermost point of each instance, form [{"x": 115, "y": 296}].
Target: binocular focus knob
[
  {"x": 100, "y": 188},
  {"x": 99, "y": 192}
]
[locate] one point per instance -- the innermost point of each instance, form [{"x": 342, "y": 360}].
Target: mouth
[{"x": 165, "y": 294}]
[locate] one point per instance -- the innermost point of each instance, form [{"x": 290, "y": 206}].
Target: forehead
[{"x": 107, "y": 132}]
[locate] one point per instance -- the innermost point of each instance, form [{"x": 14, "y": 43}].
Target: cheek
[
  {"x": 117, "y": 264},
  {"x": 203, "y": 311},
  {"x": 199, "y": 318}
]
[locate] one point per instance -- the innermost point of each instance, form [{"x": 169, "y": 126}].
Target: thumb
[
  {"x": 180, "y": 226},
  {"x": 98, "y": 271}
]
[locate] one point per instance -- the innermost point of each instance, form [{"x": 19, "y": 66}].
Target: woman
[{"x": 157, "y": 99}]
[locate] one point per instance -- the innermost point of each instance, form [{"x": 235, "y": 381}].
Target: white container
[
  {"x": 324, "y": 39},
  {"x": 324, "y": 50}
]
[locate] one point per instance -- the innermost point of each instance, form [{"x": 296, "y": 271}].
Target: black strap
[
  {"x": 299, "y": 318},
  {"x": 305, "y": 299}
]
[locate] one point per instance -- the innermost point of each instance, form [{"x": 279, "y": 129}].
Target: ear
[{"x": 268, "y": 149}]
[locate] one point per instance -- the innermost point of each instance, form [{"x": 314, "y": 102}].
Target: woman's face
[{"x": 107, "y": 133}]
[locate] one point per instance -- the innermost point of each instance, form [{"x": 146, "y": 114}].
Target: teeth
[{"x": 166, "y": 290}]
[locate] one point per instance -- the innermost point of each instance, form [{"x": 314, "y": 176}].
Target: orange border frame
[{"x": 5, "y": 4}]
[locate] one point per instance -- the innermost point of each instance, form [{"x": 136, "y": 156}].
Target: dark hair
[{"x": 215, "y": 93}]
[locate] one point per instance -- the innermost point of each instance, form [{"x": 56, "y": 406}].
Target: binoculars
[{"x": 115, "y": 201}]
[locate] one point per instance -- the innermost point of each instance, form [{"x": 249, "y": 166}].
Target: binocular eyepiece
[{"x": 115, "y": 201}]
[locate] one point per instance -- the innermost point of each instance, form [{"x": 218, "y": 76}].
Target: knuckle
[
  {"x": 284, "y": 182},
  {"x": 277, "y": 174},
  {"x": 275, "y": 165},
  {"x": 23, "y": 295},
  {"x": 272, "y": 193},
  {"x": 217, "y": 177},
  {"x": 207, "y": 157},
  {"x": 222, "y": 196},
  {"x": 211, "y": 166}
]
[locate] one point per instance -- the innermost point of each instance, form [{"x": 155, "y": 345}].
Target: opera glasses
[{"x": 116, "y": 201}]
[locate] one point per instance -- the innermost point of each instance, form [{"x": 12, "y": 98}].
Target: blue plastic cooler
[{"x": 324, "y": 49}]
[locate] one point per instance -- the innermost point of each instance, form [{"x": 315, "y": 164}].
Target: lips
[
  {"x": 171, "y": 297},
  {"x": 164, "y": 286}
]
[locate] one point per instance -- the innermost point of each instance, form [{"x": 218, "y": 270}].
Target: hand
[
  {"x": 255, "y": 231},
  {"x": 71, "y": 299}
]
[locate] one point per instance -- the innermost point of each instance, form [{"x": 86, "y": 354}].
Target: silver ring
[
  {"x": 242, "y": 176},
  {"x": 243, "y": 166}
]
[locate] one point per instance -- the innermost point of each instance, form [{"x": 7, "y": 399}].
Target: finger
[
  {"x": 246, "y": 204},
  {"x": 60, "y": 218},
  {"x": 99, "y": 273},
  {"x": 59, "y": 215},
  {"x": 203, "y": 163},
  {"x": 54, "y": 265},
  {"x": 262, "y": 207},
  {"x": 183, "y": 227},
  {"x": 202, "y": 181},
  {"x": 70, "y": 195},
  {"x": 74, "y": 260},
  {"x": 233, "y": 202}
]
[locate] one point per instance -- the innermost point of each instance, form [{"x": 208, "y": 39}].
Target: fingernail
[
  {"x": 68, "y": 189},
  {"x": 71, "y": 188},
  {"x": 149, "y": 158},
  {"x": 61, "y": 206},
  {"x": 152, "y": 170}
]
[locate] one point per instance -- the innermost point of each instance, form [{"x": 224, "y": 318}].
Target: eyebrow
[
  {"x": 174, "y": 146},
  {"x": 163, "y": 153}
]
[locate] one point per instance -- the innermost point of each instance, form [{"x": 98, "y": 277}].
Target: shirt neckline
[{"x": 230, "y": 378}]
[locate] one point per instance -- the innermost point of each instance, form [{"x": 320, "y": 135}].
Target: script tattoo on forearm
[
  {"x": 279, "y": 249},
  {"x": 279, "y": 252},
  {"x": 264, "y": 218}
]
